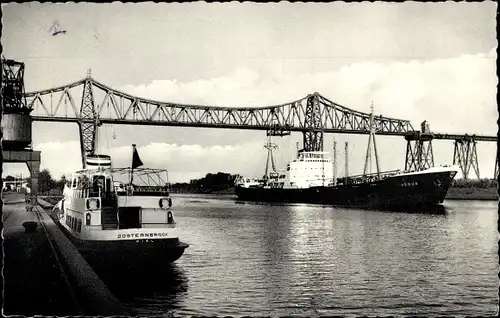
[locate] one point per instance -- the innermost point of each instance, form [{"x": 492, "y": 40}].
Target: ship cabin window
[
  {"x": 108, "y": 184},
  {"x": 74, "y": 223},
  {"x": 98, "y": 182},
  {"x": 282, "y": 176},
  {"x": 101, "y": 182}
]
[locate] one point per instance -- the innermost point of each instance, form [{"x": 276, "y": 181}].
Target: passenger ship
[
  {"x": 112, "y": 220},
  {"x": 309, "y": 178}
]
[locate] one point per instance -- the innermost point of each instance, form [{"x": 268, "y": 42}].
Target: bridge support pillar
[
  {"x": 313, "y": 137},
  {"x": 32, "y": 159},
  {"x": 465, "y": 155},
  {"x": 419, "y": 153},
  {"x": 88, "y": 123}
]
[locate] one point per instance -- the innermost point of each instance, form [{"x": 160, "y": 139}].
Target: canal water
[{"x": 308, "y": 260}]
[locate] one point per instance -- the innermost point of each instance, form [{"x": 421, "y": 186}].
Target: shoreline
[{"x": 470, "y": 193}]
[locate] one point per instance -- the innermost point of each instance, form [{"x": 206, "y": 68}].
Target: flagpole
[
  {"x": 132, "y": 170},
  {"x": 136, "y": 162}
]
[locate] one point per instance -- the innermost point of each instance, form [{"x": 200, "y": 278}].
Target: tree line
[
  {"x": 474, "y": 183},
  {"x": 211, "y": 182},
  {"x": 219, "y": 181},
  {"x": 46, "y": 183}
]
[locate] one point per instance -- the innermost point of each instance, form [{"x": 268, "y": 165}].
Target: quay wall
[{"x": 94, "y": 297}]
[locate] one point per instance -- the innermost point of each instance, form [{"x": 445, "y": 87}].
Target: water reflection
[
  {"x": 141, "y": 289},
  {"x": 275, "y": 248},
  {"x": 303, "y": 260},
  {"x": 433, "y": 209}
]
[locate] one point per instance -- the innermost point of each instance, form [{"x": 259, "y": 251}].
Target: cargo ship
[{"x": 309, "y": 179}]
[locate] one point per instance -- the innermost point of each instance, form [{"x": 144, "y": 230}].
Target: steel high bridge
[{"x": 90, "y": 104}]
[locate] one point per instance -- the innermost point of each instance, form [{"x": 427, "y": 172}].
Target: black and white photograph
[{"x": 258, "y": 159}]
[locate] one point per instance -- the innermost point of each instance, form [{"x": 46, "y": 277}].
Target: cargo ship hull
[{"x": 403, "y": 191}]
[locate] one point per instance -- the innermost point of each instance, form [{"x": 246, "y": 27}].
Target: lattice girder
[
  {"x": 465, "y": 155},
  {"x": 112, "y": 106}
]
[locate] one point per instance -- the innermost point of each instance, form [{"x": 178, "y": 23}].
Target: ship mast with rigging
[
  {"x": 270, "y": 146},
  {"x": 371, "y": 138}
]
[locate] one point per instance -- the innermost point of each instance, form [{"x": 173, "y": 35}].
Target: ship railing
[
  {"x": 371, "y": 177},
  {"x": 135, "y": 190},
  {"x": 326, "y": 181},
  {"x": 160, "y": 224}
]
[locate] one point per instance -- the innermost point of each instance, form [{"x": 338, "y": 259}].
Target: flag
[{"x": 136, "y": 160}]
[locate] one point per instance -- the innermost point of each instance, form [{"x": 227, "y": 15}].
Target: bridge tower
[
  {"x": 15, "y": 132},
  {"x": 313, "y": 137},
  {"x": 465, "y": 155},
  {"x": 88, "y": 122},
  {"x": 419, "y": 154}
]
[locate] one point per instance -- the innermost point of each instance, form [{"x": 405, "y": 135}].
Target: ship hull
[
  {"x": 405, "y": 191},
  {"x": 128, "y": 254},
  {"x": 131, "y": 254}
]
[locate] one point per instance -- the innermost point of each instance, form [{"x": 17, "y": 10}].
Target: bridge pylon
[
  {"x": 313, "y": 137},
  {"x": 419, "y": 153},
  {"x": 465, "y": 155},
  {"x": 88, "y": 121}
]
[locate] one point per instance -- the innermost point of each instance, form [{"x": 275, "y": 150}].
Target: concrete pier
[{"x": 43, "y": 272}]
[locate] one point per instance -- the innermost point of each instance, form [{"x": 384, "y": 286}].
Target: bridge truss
[{"x": 312, "y": 115}]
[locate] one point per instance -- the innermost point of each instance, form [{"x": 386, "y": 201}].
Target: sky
[{"x": 414, "y": 61}]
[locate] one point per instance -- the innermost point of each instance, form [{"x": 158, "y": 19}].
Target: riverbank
[
  {"x": 472, "y": 194},
  {"x": 469, "y": 193}
]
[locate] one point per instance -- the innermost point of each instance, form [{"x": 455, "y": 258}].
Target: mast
[
  {"x": 269, "y": 146},
  {"x": 322, "y": 169},
  {"x": 334, "y": 162},
  {"x": 346, "y": 159},
  {"x": 368, "y": 158},
  {"x": 131, "y": 173}
]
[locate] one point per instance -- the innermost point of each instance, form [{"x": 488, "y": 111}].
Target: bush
[{"x": 481, "y": 183}]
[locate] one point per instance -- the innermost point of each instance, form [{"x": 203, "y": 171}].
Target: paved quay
[
  {"x": 43, "y": 272},
  {"x": 33, "y": 284}
]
